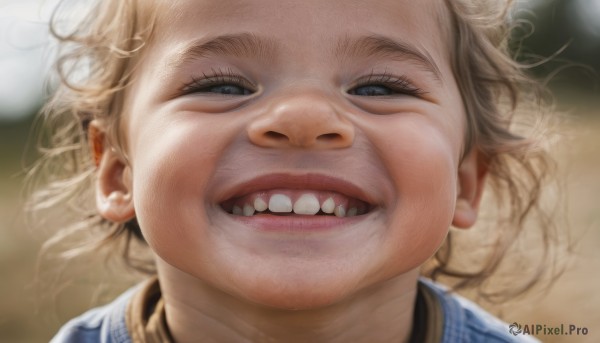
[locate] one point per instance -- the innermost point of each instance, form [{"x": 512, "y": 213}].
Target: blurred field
[
  {"x": 575, "y": 298},
  {"x": 32, "y": 314}
]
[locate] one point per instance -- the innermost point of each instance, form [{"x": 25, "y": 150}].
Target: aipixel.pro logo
[
  {"x": 515, "y": 328},
  {"x": 547, "y": 330}
]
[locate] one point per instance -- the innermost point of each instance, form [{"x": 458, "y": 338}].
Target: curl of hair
[
  {"x": 96, "y": 62},
  {"x": 496, "y": 93}
]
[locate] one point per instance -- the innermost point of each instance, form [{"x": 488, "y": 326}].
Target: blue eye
[
  {"x": 371, "y": 90},
  {"x": 385, "y": 85},
  {"x": 219, "y": 82},
  {"x": 226, "y": 89}
]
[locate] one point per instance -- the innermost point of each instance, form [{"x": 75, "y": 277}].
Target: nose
[{"x": 302, "y": 121}]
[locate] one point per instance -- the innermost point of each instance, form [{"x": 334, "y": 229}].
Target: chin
[
  {"x": 297, "y": 293},
  {"x": 297, "y": 299}
]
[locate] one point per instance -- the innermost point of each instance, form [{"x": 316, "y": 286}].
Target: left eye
[
  {"x": 376, "y": 85},
  {"x": 371, "y": 90}
]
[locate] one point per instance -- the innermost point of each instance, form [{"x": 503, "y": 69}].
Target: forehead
[{"x": 292, "y": 26}]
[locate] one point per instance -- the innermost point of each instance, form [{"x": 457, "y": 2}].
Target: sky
[
  {"x": 24, "y": 56},
  {"x": 26, "y": 50},
  {"x": 588, "y": 11}
]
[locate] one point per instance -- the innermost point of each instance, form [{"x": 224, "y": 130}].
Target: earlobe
[
  {"x": 116, "y": 207},
  {"x": 114, "y": 199},
  {"x": 471, "y": 179}
]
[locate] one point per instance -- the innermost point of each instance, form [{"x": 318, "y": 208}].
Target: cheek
[
  {"x": 172, "y": 165},
  {"x": 422, "y": 165}
]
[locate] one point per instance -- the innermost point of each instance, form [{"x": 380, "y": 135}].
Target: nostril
[
  {"x": 276, "y": 135},
  {"x": 329, "y": 136}
]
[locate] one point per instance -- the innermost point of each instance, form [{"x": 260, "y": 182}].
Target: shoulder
[
  {"x": 105, "y": 324},
  {"x": 464, "y": 321}
]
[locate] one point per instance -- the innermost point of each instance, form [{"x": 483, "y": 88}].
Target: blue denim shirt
[{"x": 464, "y": 322}]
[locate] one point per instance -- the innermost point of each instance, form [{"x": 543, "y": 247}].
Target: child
[{"x": 294, "y": 167}]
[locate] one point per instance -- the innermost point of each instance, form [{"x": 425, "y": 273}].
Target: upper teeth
[
  {"x": 340, "y": 211},
  {"x": 306, "y": 203},
  {"x": 280, "y": 203},
  {"x": 248, "y": 210},
  {"x": 260, "y": 205},
  {"x": 328, "y": 206}
]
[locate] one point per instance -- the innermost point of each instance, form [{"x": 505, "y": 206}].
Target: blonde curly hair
[{"x": 500, "y": 100}]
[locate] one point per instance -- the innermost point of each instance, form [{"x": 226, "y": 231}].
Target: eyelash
[
  {"x": 218, "y": 77},
  {"x": 397, "y": 84}
]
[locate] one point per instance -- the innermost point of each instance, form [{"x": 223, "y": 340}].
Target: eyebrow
[
  {"x": 250, "y": 45},
  {"x": 240, "y": 44},
  {"x": 377, "y": 45}
]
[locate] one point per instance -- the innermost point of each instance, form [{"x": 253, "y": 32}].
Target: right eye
[
  {"x": 225, "y": 89},
  {"x": 222, "y": 83}
]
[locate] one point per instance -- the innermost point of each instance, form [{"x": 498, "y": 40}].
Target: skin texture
[{"x": 223, "y": 280}]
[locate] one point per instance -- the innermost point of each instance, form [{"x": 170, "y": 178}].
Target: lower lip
[{"x": 297, "y": 223}]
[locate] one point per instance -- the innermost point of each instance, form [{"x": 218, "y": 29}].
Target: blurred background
[{"x": 567, "y": 30}]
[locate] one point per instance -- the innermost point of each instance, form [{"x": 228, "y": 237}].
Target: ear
[
  {"x": 471, "y": 179},
  {"x": 114, "y": 199}
]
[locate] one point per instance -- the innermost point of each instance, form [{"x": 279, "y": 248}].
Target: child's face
[{"x": 353, "y": 100}]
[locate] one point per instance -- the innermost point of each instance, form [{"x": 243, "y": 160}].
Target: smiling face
[{"x": 293, "y": 155}]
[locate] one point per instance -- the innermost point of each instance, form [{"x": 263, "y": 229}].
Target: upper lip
[{"x": 308, "y": 181}]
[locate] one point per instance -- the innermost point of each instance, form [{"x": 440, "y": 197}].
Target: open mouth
[{"x": 288, "y": 202}]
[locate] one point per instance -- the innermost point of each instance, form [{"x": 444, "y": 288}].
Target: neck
[{"x": 196, "y": 311}]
